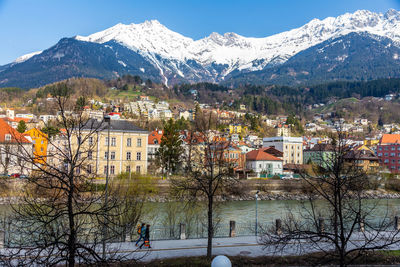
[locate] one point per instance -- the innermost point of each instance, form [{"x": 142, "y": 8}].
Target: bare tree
[
  {"x": 62, "y": 216},
  {"x": 209, "y": 171},
  {"x": 335, "y": 220}
]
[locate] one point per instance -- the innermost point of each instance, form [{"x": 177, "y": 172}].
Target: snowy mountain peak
[
  {"x": 175, "y": 55},
  {"x": 26, "y": 57}
]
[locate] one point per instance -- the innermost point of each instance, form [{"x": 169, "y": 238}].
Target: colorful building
[
  {"x": 262, "y": 162},
  {"x": 389, "y": 152},
  {"x": 127, "y": 147},
  {"x": 39, "y": 140},
  {"x": 14, "y": 147}
]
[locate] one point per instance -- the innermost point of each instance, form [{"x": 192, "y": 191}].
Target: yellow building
[
  {"x": 39, "y": 140},
  {"x": 127, "y": 148},
  {"x": 371, "y": 142},
  {"x": 235, "y": 129},
  {"x": 363, "y": 158}
]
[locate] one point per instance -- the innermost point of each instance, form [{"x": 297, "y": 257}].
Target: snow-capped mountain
[
  {"x": 26, "y": 57},
  {"x": 170, "y": 51},
  {"x": 153, "y": 51}
]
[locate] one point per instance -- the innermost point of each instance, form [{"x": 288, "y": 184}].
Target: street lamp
[
  {"x": 256, "y": 210},
  {"x": 107, "y": 119}
]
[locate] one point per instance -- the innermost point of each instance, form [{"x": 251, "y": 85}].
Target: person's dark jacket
[{"x": 147, "y": 233}]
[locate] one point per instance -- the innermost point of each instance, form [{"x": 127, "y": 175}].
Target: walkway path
[{"x": 245, "y": 246}]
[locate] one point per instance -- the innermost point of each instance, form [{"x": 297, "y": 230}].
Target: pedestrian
[
  {"x": 146, "y": 241},
  {"x": 140, "y": 230}
]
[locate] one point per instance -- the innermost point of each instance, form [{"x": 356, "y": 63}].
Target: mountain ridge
[{"x": 215, "y": 58}]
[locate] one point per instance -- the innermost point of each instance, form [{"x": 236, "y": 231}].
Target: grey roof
[{"x": 115, "y": 126}]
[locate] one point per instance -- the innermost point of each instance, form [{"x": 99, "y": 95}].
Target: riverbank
[
  {"x": 273, "y": 195},
  {"x": 281, "y": 195}
]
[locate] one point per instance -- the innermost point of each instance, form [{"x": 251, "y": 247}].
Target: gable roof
[
  {"x": 390, "y": 139},
  {"x": 322, "y": 148},
  {"x": 273, "y": 151},
  {"x": 115, "y": 126},
  {"x": 260, "y": 154},
  {"x": 16, "y": 137},
  {"x": 155, "y": 135}
]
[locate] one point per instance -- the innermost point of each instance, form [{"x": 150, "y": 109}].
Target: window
[
  {"x": 379, "y": 154},
  {"x": 90, "y": 155},
  {"x": 89, "y": 168},
  {"x": 392, "y": 154},
  {"x": 155, "y": 141},
  {"x": 113, "y": 141},
  {"x": 112, "y": 169},
  {"x": 393, "y": 148},
  {"x": 128, "y": 169},
  {"x": 105, "y": 155},
  {"x": 138, "y": 156},
  {"x": 137, "y": 169},
  {"x": 41, "y": 149},
  {"x": 90, "y": 140},
  {"x": 386, "y": 148},
  {"x": 129, "y": 142},
  {"x": 8, "y": 137},
  {"x": 105, "y": 170},
  {"x": 106, "y": 141},
  {"x": 139, "y": 142},
  {"x": 380, "y": 148},
  {"x": 79, "y": 140},
  {"x": 393, "y": 161},
  {"x": 112, "y": 155},
  {"x": 78, "y": 170},
  {"x": 386, "y": 161},
  {"x": 386, "y": 154},
  {"x": 128, "y": 155}
]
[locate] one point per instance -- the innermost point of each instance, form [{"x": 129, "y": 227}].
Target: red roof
[
  {"x": 260, "y": 154},
  {"x": 390, "y": 139},
  {"x": 17, "y": 119},
  {"x": 16, "y": 137},
  {"x": 155, "y": 135}
]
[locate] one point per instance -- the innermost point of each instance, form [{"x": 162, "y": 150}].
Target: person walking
[
  {"x": 146, "y": 240},
  {"x": 140, "y": 231}
]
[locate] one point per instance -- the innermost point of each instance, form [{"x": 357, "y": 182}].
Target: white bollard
[{"x": 221, "y": 261}]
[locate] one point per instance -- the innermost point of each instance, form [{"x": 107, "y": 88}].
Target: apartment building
[
  {"x": 292, "y": 148},
  {"x": 13, "y": 144},
  {"x": 127, "y": 147},
  {"x": 388, "y": 151},
  {"x": 39, "y": 140}
]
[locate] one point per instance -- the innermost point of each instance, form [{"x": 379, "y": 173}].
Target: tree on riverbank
[
  {"x": 342, "y": 226},
  {"x": 209, "y": 169},
  {"x": 63, "y": 217},
  {"x": 168, "y": 156}
]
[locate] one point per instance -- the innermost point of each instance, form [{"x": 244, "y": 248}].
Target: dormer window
[{"x": 8, "y": 137}]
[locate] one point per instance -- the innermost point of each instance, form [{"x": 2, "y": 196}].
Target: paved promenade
[{"x": 245, "y": 246}]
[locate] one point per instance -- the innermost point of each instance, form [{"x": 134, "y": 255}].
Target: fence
[{"x": 9, "y": 237}]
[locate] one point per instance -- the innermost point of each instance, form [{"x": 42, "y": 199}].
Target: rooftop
[
  {"x": 115, "y": 126},
  {"x": 260, "y": 154},
  {"x": 16, "y": 137}
]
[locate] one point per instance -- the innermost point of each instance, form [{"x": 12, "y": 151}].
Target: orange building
[{"x": 39, "y": 140}]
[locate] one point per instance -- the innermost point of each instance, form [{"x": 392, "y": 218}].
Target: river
[{"x": 163, "y": 215}]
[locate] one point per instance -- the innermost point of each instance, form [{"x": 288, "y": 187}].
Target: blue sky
[{"x": 32, "y": 25}]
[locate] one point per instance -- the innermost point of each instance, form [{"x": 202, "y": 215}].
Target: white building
[
  {"x": 292, "y": 147},
  {"x": 261, "y": 162}
]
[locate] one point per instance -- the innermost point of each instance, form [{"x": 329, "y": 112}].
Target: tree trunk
[
  {"x": 210, "y": 227},
  {"x": 72, "y": 230}
]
